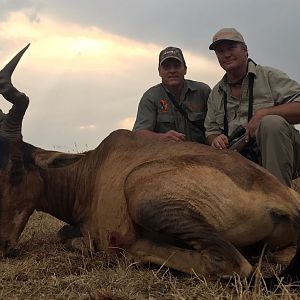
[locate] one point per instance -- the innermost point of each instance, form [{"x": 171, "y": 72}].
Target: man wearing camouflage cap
[
  {"x": 175, "y": 109},
  {"x": 263, "y": 100}
]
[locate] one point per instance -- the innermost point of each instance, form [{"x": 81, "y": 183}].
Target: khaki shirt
[
  {"x": 157, "y": 113},
  {"x": 271, "y": 87}
]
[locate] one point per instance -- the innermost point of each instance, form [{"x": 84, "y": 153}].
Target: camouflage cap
[
  {"x": 226, "y": 34},
  {"x": 171, "y": 52}
]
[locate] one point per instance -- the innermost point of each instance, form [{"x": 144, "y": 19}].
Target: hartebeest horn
[
  {"x": 7, "y": 71},
  {"x": 12, "y": 123}
]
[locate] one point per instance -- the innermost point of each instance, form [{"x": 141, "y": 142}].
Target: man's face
[
  {"x": 231, "y": 55},
  {"x": 172, "y": 72}
]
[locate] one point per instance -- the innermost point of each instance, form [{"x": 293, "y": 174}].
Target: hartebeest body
[{"x": 184, "y": 205}]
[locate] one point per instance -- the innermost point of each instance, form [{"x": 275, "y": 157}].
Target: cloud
[
  {"x": 87, "y": 127},
  {"x": 78, "y": 76},
  {"x": 126, "y": 123},
  {"x": 90, "y": 63}
]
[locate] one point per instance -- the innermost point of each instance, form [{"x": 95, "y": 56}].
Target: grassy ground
[{"x": 44, "y": 270}]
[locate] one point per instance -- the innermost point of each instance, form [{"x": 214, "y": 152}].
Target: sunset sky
[{"x": 90, "y": 61}]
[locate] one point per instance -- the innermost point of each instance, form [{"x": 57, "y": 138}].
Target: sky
[{"x": 90, "y": 62}]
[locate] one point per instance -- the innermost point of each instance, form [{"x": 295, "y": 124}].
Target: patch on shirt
[{"x": 163, "y": 106}]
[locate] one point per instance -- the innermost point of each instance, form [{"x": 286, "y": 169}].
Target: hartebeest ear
[{"x": 54, "y": 159}]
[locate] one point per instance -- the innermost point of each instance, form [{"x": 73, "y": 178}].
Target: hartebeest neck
[{"x": 67, "y": 191}]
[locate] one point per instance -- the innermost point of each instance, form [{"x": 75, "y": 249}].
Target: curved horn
[
  {"x": 11, "y": 125},
  {"x": 7, "y": 71}
]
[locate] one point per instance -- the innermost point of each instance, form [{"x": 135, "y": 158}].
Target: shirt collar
[
  {"x": 187, "y": 85},
  {"x": 251, "y": 69}
]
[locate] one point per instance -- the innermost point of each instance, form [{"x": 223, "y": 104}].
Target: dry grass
[{"x": 44, "y": 270}]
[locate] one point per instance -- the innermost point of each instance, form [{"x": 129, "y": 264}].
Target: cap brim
[
  {"x": 214, "y": 44},
  {"x": 168, "y": 57}
]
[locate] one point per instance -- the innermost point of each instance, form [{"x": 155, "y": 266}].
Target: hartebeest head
[{"x": 20, "y": 183}]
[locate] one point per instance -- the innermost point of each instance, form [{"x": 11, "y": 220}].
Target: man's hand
[
  {"x": 253, "y": 124},
  {"x": 173, "y": 135},
  {"x": 220, "y": 142},
  {"x": 170, "y": 135}
]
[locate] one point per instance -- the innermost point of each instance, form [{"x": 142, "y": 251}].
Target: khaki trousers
[{"x": 279, "y": 144}]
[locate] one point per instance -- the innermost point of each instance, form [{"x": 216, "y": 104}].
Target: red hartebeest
[{"x": 184, "y": 205}]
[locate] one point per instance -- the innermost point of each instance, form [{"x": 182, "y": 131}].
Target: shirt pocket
[
  {"x": 197, "y": 119},
  {"x": 164, "y": 123},
  {"x": 196, "y": 116},
  {"x": 165, "y": 118}
]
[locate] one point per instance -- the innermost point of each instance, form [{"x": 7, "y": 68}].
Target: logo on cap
[{"x": 171, "y": 52}]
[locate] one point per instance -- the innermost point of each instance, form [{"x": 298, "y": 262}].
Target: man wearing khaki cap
[
  {"x": 174, "y": 109},
  {"x": 265, "y": 101}
]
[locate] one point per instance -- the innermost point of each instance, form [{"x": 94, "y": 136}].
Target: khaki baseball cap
[
  {"x": 171, "y": 52},
  {"x": 226, "y": 34}
]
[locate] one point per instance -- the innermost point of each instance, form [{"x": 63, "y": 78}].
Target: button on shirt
[
  {"x": 271, "y": 87},
  {"x": 157, "y": 113}
]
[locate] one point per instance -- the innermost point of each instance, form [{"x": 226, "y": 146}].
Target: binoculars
[{"x": 237, "y": 139}]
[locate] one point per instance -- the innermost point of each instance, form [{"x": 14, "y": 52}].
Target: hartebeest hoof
[
  {"x": 290, "y": 276},
  {"x": 69, "y": 232},
  {"x": 82, "y": 245},
  {"x": 282, "y": 257}
]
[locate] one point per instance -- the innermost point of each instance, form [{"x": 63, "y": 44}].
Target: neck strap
[{"x": 250, "y": 102}]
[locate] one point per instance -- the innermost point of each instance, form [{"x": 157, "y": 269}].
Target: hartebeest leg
[
  {"x": 185, "y": 260},
  {"x": 292, "y": 273},
  {"x": 184, "y": 234},
  {"x": 68, "y": 232},
  {"x": 82, "y": 245},
  {"x": 282, "y": 257}
]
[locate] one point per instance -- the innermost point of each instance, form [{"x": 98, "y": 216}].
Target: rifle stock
[{"x": 238, "y": 144}]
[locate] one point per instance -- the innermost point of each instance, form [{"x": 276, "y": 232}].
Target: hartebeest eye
[
  {"x": 11, "y": 163},
  {"x": 16, "y": 171}
]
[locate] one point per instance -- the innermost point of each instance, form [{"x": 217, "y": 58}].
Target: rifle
[
  {"x": 237, "y": 142},
  {"x": 237, "y": 139}
]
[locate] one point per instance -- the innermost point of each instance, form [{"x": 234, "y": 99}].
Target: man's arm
[
  {"x": 170, "y": 135},
  {"x": 219, "y": 141},
  {"x": 210, "y": 138},
  {"x": 146, "y": 120},
  {"x": 289, "y": 111},
  {"x": 214, "y": 135},
  {"x": 146, "y": 114},
  {"x": 286, "y": 95}
]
